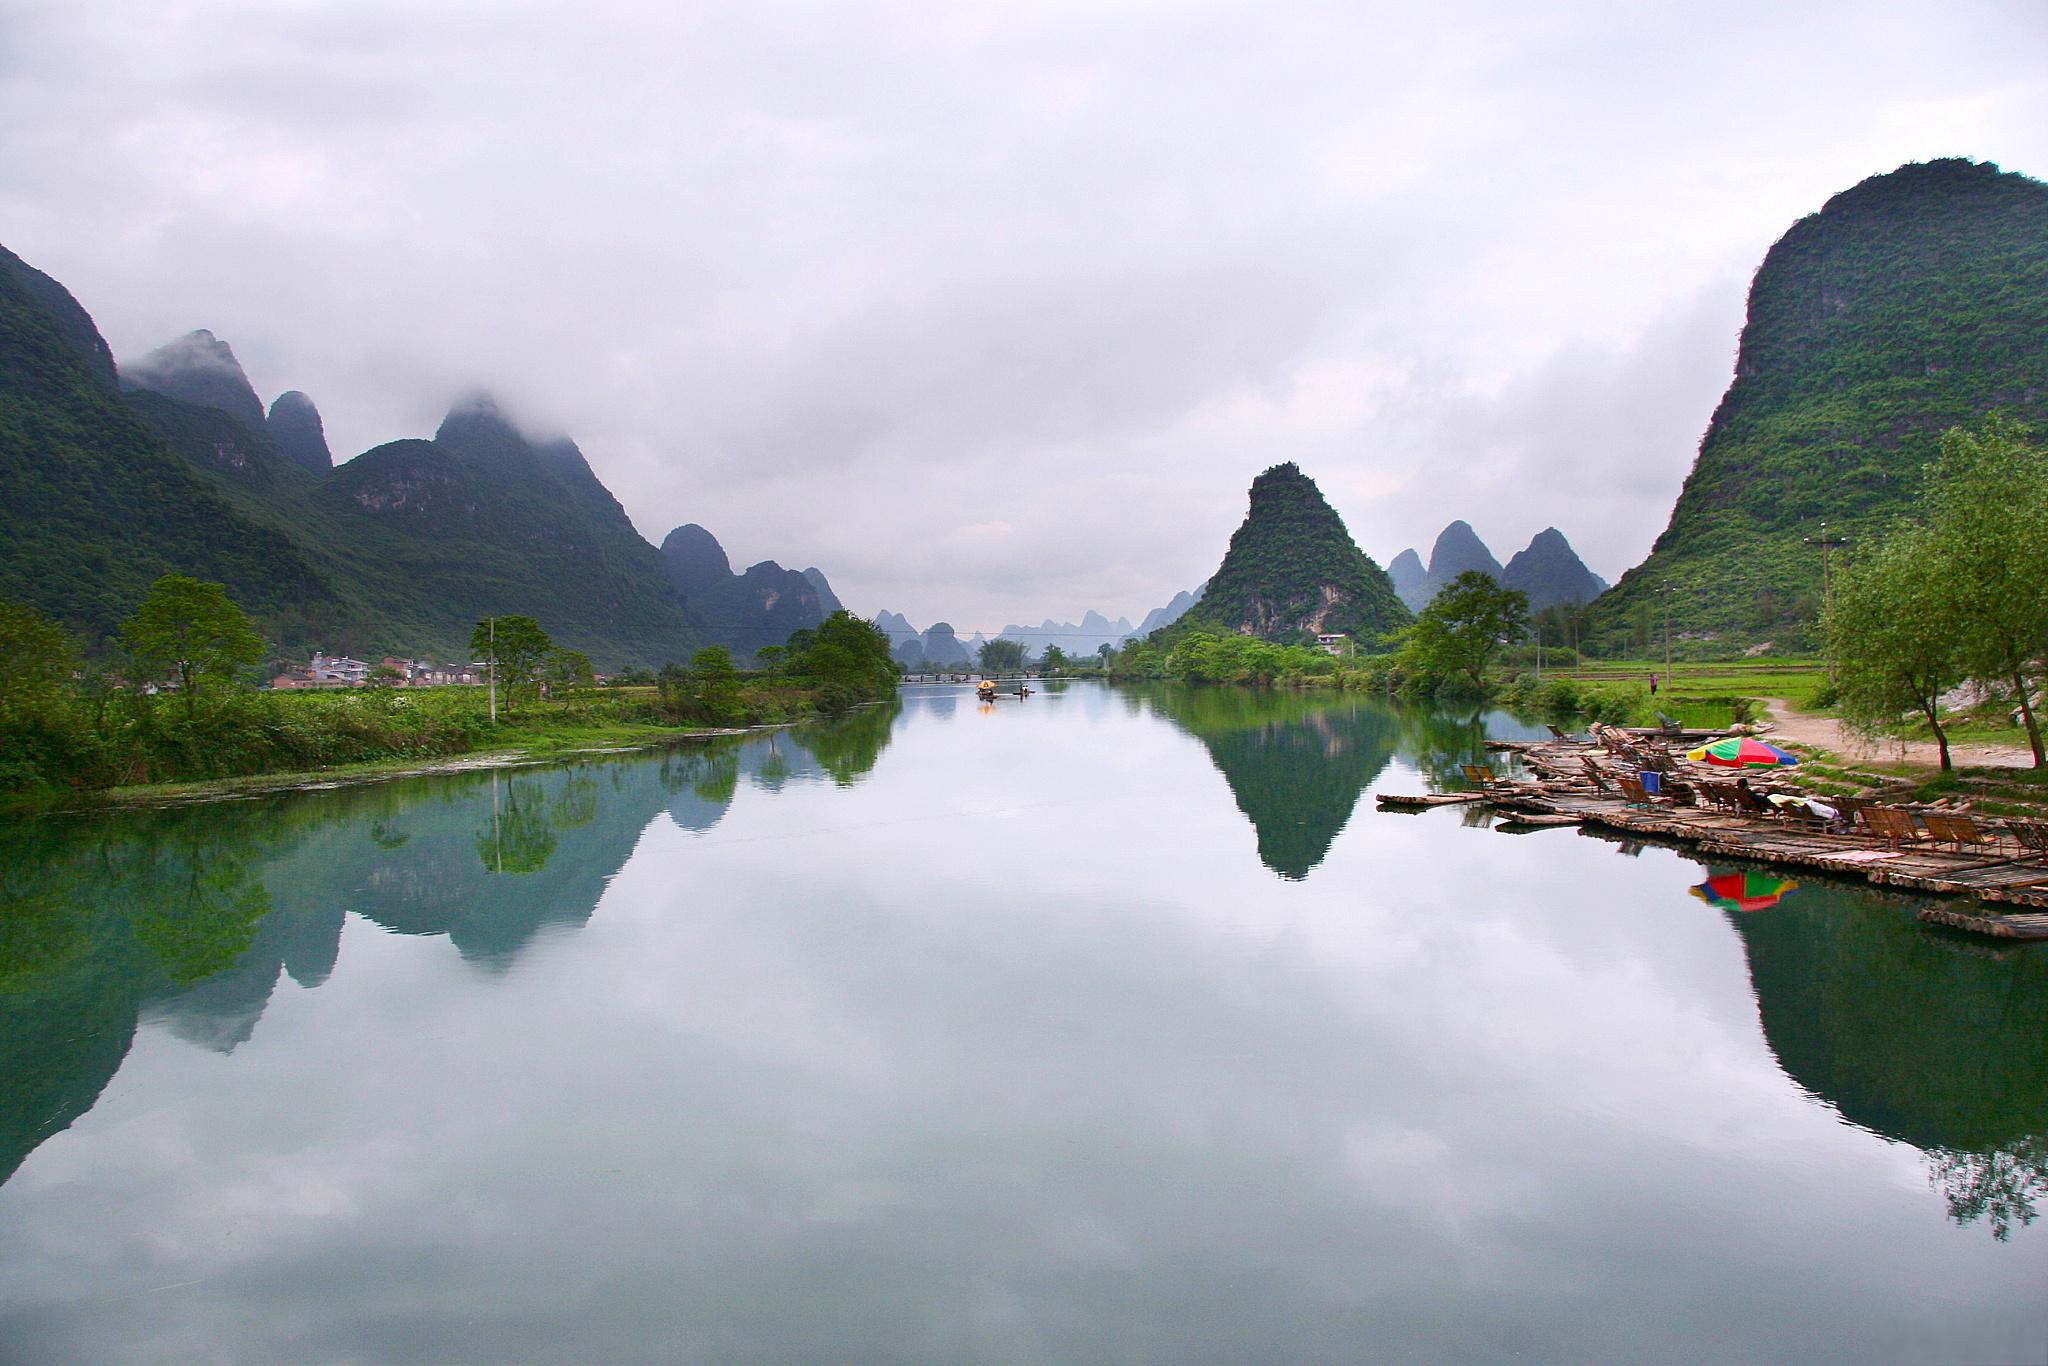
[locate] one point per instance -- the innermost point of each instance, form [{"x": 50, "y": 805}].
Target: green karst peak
[
  {"x": 1911, "y": 303},
  {"x": 1292, "y": 570}
]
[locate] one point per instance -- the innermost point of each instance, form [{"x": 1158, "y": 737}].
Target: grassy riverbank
[{"x": 134, "y": 749}]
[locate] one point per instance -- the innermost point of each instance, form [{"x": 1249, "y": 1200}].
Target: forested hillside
[
  {"x": 1293, "y": 570},
  {"x": 1914, "y": 302},
  {"x": 108, "y": 481}
]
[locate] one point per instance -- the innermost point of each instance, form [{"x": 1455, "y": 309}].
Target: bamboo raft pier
[{"x": 1561, "y": 791}]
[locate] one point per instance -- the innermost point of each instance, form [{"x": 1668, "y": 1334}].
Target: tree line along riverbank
[{"x": 175, "y": 702}]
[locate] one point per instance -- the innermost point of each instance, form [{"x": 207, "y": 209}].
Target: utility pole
[
  {"x": 491, "y": 666},
  {"x": 1827, "y": 582}
]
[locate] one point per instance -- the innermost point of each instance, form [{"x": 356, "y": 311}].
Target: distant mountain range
[
  {"x": 1548, "y": 570},
  {"x": 935, "y": 647},
  {"x": 939, "y": 647},
  {"x": 109, "y": 479},
  {"x": 763, "y": 606}
]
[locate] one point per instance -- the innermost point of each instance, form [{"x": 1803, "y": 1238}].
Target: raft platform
[
  {"x": 2022, "y": 926},
  {"x": 1558, "y": 790}
]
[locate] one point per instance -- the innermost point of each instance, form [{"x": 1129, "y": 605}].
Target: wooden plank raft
[
  {"x": 1393, "y": 801},
  {"x": 1564, "y": 792},
  {"x": 2023, "y": 926}
]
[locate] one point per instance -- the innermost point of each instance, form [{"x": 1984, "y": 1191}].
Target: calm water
[{"x": 1094, "y": 1028}]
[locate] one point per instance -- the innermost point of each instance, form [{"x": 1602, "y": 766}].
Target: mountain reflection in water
[
  {"x": 686, "y": 987},
  {"x": 188, "y": 915},
  {"x": 1297, "y": 762}
]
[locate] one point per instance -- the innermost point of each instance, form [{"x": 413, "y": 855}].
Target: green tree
[
  {"x": 1457, "y": 633},
  {"x": 1105, "y": 652},
  {"x": 847, "y": 657},
  {"x": 769, "y": 657},
  {"x": 1054, "y": 659},
  {"x": 1001, "y": 656},
  {"x": 36, "y": 661},
  {"x": 1892, "y": 634},
  {"x": 516, "y": 649},
  {"x": 189, "y": 632},
  {"x": 569, "y": 669},
  {"x": 1987, "y": 500},
  {"x": 715, "y": 686}
]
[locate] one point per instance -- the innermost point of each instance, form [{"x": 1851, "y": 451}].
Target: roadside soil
[{"x": 1825, "y": 732}]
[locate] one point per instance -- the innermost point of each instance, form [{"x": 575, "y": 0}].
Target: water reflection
[
  {"x": 1744, "y": 889},
  {"x": 187, "y": 917},
  {"x": 1010, "y": 1051},
  {"x": 1298, "y": 762},
  {"x": 1913, "y": 1033}
]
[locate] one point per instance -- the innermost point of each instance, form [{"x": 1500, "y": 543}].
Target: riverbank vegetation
[
  {"x": 1952, "y": 596},
  {"x": 175, "y": 702}
]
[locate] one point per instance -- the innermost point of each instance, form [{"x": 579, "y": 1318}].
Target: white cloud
[{"x": 833, "y": 279}]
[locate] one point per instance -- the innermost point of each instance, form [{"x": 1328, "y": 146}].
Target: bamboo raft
[
  {"x": 1394, "y": 802},
  {"x": 2022, "y": 926},
  {"x": 1559, "y": 791}
]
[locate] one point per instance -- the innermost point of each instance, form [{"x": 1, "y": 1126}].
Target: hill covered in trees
[
  {"x": 110, "y": 479},
  {"x": 1293, "y": 571},
  {"x": 1912, "y": 303}
]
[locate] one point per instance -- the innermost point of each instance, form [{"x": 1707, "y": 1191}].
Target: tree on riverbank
[
  {"x": 189, "y": 632},
  {"x": 37, "y": 660},
  {"x": 1001, "y": 656},
  {"x": 1461, "y": 628},
  {"x": 847, "y": 657},
  {"x": 1892, "y": 637},
  {"x": 516, "y": 649},
  {"x": 1952, "y": 593}
]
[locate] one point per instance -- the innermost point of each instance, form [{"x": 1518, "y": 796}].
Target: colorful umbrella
[
  {"x": 1739, "y": 751},
  {"x": 1744, "y": 891}
]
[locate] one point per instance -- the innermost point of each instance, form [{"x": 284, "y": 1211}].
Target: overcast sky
[{"x": 992, "y": 312}]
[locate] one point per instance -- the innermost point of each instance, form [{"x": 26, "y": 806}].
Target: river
[{"x": 1102, "y": 1026}]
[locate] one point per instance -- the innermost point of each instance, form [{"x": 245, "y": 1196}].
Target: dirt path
[{"x": 1824, "y": 732}]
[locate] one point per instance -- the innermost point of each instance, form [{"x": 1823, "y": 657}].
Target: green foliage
[
  {"x": 1292, "y": 570},
  {"x": 95, "y": 507},
  {"x": 516, "y": 649},
  {"x": 715, "y": 686},
  {"x": 1227, "y": 657},
  {"x": 37, "y": 660},
  {"x": 1987, "y": 503},
  {"x": 1912, "y": 303},
  {"x": 1456, "y": 635},
  {"x": 568, "y": 669},
  {"x": 1000, "y": 656},
  {"x": 1958, "y": 596},
  {"x": 188, "y": 632},
  {"x": 1054, "y": 659},
  {"x": 847, "y": 658}
]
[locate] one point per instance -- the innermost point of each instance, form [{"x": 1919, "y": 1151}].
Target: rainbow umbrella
[
  {"x": 1744, "y": 891},
  {"x": 1739, "y": 751}
]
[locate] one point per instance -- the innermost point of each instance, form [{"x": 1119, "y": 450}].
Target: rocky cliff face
[{"x": 1292, "y": 570}]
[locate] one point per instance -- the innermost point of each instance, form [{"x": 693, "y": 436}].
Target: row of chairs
[{"x": 1897, "y": 826}]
